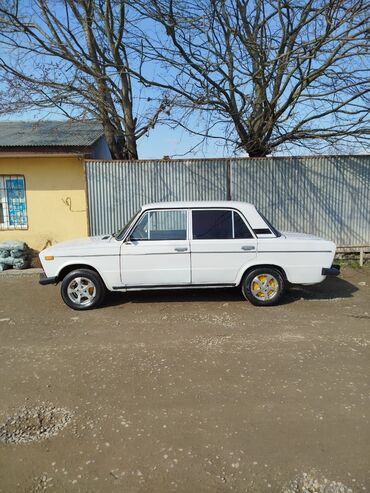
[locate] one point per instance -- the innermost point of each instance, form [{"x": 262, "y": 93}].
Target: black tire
[
  {"x": 88, "y": 288},
  {"x": 263, "y": 292}
]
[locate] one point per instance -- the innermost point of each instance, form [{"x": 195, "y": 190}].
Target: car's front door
[
  {"x": 221, "y": 245},
  {"x": 157, "y": 252}
]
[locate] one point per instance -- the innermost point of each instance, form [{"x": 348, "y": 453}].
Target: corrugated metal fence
[{"x": 328, "y": 196}]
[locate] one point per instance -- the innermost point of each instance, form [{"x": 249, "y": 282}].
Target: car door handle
[
  {"x": 248, "y": 247},
  {"x": 181, "y": 249}
]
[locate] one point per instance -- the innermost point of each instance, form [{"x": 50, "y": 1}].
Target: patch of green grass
[{"x": 352, "y": 263}]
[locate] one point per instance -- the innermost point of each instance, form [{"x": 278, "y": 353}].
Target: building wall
[{"x": 56, "y": 199}]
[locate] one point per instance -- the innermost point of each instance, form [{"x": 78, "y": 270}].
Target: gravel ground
[{"x": 194, "y": 391}]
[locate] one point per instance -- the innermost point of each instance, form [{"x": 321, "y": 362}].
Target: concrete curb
[{"x": 20, "y": 273}]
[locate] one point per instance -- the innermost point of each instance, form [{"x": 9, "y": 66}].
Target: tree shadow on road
[{"x": 330, "y": 289}]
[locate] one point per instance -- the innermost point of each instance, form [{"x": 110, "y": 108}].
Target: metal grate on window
[{"x": 13, "y": 208}]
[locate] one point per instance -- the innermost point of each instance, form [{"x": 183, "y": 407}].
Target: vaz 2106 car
[{"x": 188, "y": 245}]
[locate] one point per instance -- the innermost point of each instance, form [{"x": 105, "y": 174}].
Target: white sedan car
[{"x": 188, "y": 245}]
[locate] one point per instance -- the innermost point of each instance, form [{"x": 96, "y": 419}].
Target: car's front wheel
[
  {"x": 83, "y": 289},
  {"x": 263, "y": 286}
]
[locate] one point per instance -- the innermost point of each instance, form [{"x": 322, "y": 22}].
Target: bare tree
[
  {"x": 75, "y": 55},
  {"x": 265, "y": 73}
]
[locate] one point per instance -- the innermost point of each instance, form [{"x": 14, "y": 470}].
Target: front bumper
[
  {"x": 334, "y": 270},
  {"x": 47, "y": 280}
]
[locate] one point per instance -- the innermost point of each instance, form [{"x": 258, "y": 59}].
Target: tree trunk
[
  {"x": 130, "y": 139},
  {"x": 116, "y": 149},
  {"x": 255, "y": 148}
]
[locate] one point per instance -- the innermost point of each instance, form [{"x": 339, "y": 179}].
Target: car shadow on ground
[{"x": 330, "y": 289}]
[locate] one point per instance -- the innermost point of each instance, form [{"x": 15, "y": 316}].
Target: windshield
[
  {"x": 121, "y": 232},
  {"x": 274, "y": 230}
]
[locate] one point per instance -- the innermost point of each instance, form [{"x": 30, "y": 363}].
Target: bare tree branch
[
  {"x": 270, "y": 72},
  {"x": 75, "y": 56}
]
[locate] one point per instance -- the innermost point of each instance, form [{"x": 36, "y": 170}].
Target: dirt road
[{"x": 188, "y": 391}]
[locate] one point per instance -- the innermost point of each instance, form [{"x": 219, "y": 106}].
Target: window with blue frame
[{"x": 13, "y": 207}]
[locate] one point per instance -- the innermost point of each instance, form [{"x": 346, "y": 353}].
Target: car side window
[
  {"x": 140, "y": 232},
  {"x": 212, "y": 225},
  {"x": 161, "y": 225},
  {"x": 241, "y": 230},
  {"x": 219, "y": 225}
]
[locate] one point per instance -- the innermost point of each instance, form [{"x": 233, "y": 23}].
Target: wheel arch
[
  {"x": 71, "y": 267},
  {"x": 258, "y": 266}
]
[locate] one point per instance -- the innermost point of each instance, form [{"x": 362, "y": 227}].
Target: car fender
[
  {"x": 106, "y": 274},
  {"x": 257, "y": 263}
]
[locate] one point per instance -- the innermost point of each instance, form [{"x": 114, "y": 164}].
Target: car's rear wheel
[
  {"x": 83, "y": 289},
  {"x": 263, "y": 286}
]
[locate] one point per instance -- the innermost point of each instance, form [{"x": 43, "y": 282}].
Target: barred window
[{"x": 13, "y": 208}]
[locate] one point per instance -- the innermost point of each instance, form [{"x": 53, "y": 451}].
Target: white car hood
[{"x": 93, "y": 245}]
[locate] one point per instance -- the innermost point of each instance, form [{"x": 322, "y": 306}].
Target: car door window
[
  {"x": 241, "y": 230},
  {"x": 219, "y": 225},
  {"x": 141, "y": 231},
  {"x": 212, "y": 225},
  {"x": 161, "y": 225}
]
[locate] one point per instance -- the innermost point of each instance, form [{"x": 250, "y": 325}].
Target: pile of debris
[
  {"x": 34, "y": 424},
  {"x": 14, "y": 255},
  {"x": 315, "y": 483}
]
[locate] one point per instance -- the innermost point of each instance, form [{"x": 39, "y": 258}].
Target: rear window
[{"x": 272, "y": 228}]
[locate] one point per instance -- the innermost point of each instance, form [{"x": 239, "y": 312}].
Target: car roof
[
  {"x": 255, "y": 220},
  {"x": 197, "y": 204}
]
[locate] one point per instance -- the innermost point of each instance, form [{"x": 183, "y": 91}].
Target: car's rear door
[
  {"x": 157, "y": 252},
  {"x": 221, "y": 244}
]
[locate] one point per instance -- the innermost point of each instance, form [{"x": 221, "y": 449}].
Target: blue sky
[{"x": 176, "y": 142}]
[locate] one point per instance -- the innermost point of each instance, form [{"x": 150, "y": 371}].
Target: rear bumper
[
  {"x": 334, "y": 270},
  {"x": 47, "y": 280}
]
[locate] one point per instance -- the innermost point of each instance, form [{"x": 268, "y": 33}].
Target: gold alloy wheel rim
[{"x": 264, "y": 287}]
